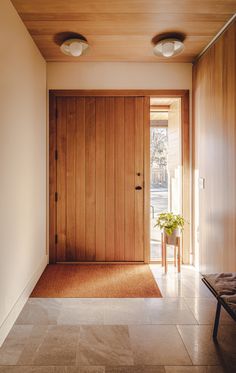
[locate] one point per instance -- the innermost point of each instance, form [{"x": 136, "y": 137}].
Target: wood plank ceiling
[{"x": 122, "y": 30}]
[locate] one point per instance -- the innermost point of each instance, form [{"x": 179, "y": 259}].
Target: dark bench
[{"x": 223, "y": 287}]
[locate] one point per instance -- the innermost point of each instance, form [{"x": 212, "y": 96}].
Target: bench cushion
[{"x": 224, "y": 285}]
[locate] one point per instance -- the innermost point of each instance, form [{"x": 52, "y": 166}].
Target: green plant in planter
[{"x": 169, "y": 222}]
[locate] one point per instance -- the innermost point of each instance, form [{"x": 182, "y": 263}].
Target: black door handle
[{"x": 138, "y": 187}]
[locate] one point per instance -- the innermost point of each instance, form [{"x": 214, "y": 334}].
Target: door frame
[{"x": 184, "y": 95}]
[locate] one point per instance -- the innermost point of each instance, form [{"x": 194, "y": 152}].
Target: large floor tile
[
  {"x": 38, "y": 311},
  {"x": 204, "y": 310},
  {"x": 32, "y": 344},
  {"x": 217, "y": 369},
  {"x": 51, "y": 369},
  {"x": 183, "y": 287},
  {"x": 159, "y": 273},
  {"x": 158, "y": 345},
  {"x": 121, "y": 311},
  {"x": 169, "y": 311},
  {"x": 186, "y": 271},
  {"x": 14, "y": 344},
  {"x": 204, "y": 351},
  {"x": 81, "y": 311},
  {"x": 195, "y": 287},
  {"x": 86, "y": 369},
  {"x": 172, "y": 287},
  {"x": 58, "y": 346},
  {"x": 136, "y": 369},
  {"x": 194, "y": 369},
  {"x": 123, "y": 335},
  {"x": 48, "y": 369},
  {"x": 104, "y": 345},
  {"x": 15, "y": 369},
  {"x": 184, "y": 369}
]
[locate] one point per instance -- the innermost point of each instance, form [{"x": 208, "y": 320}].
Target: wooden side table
[{"x": 177, "y": 252}]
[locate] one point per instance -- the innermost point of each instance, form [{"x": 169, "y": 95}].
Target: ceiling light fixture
[
  {"x": 168, "y": 47},
  {"x": 74, "y": 47}
]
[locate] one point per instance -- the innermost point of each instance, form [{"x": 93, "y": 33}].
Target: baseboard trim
[{"x": 19, "y": 304}]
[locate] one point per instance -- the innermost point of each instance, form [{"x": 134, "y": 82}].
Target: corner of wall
[{"x": 16, "y": 309}]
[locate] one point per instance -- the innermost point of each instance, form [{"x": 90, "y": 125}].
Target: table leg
[
  {"x": 165, "y": 254},
  {"x": 162, "y": 250},
  {"x": 179, "y": 254}
]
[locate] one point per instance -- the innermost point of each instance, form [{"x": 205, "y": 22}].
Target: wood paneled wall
[{"x": 214, "y": 158}]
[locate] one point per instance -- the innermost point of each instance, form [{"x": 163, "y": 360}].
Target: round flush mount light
[
  {"x": 168, "y": 47},
  {"x": 74, "y": 47}
]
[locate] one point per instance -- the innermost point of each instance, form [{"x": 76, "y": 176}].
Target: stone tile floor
[{"x": 169, "y": 335}]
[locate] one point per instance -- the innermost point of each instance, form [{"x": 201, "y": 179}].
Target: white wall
[
  {"x": 23, "y": 145},
  {"x": 22, "y": 165},
  {"x": 119, "y": 75}
]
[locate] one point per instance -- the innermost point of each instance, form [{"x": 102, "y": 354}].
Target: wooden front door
[{"x": 100, "y": 178}]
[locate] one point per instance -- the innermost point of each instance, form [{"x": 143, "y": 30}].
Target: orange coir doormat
[{"x": 97, "y": 281}]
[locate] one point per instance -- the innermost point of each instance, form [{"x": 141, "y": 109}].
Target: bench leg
[{"x": 217, "y": 319}]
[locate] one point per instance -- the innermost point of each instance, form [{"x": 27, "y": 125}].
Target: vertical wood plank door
[{"x": 100, "y": 178}]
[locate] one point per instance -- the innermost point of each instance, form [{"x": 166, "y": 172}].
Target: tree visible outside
[
  {"x": 159, "y": 183},
  {"x": 159, "y": 151}
]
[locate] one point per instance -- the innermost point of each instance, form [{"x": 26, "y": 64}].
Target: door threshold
[{"x": 100, "y": 262}]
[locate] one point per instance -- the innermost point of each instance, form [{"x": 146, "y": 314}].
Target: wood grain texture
[
  {"x": 122, "y": 136},
  {"x": 52, "y": 178},
  {"x": 186, "y": 179},
  {"x": 122, "y": 31},
  {"x": 90, "y": 177},
  {"x": 129, "y": 178},
  {"x": 100, "y": 179},
  {"x": 215, "y": 154},
  {"x": 110, "y": 179},
  {"x": 162, "y": 93},
  {"x": 116, "y": 6},
  {"x": 70, "y": 179},
  {"x": 139, "y": 176},
  {"x": 100, "y": 214},
  {"x": 80, "y": 201},
  {"x": 119, "y": 179},
  {"x": 61, "y": 177}
]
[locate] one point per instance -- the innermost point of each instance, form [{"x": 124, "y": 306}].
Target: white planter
[{"x": 171, "y": 240}]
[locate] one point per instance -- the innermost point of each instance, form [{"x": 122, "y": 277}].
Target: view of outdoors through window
[
  {"x": 159, "y": 183},
  {"x": 165, "y": 163}
]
